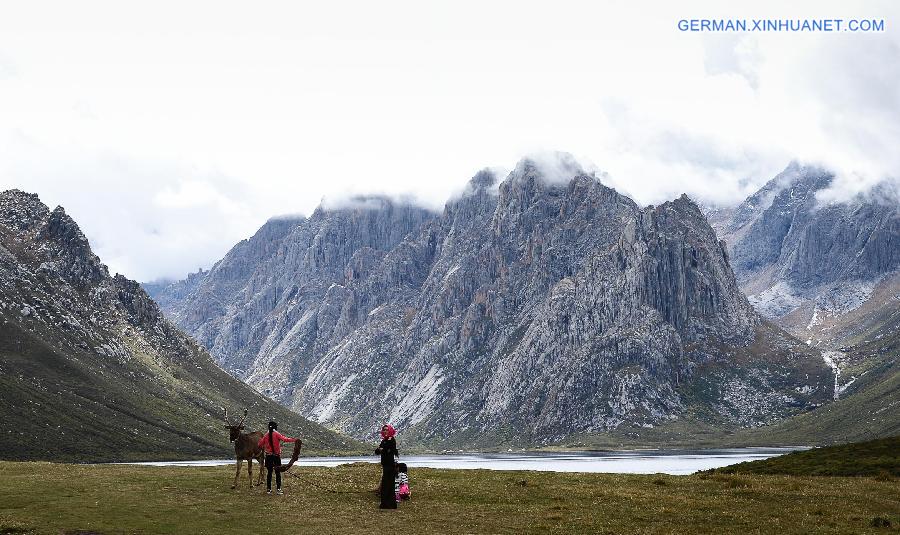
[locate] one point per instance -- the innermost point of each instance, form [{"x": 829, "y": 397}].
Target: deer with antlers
[{"x": 245, "y": 448}]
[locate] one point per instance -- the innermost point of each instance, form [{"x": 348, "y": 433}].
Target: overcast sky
[{"x": 173, "y": 131}]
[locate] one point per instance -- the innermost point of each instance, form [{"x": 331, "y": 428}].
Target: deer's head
[{"x": 234, "y": 430}]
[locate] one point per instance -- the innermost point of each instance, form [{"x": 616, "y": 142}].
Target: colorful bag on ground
[{"x": 403, "y": 493}]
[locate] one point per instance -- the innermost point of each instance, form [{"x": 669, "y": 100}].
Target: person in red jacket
[{"x": 271, "y": 443}]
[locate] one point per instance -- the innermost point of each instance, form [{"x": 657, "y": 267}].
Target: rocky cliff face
[
  {"x": 825, "y": 271},
  {"x": 530, "y": 309},
  {"x": 275, "y": 292},
  {"x": 828, "y": 273},
  {"x": 89, "y": 367}
]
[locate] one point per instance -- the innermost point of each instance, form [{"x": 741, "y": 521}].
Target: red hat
[{"x": 387, "y": 431}]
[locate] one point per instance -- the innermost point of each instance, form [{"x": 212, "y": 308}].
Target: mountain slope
[
  {"x": 248, "y": 305},
  {"x": 871, "y": 458},
  {"x": 829, "y": 272},
  {"x": 826, "y": 271},
  {"x": 542, "y": 306},
  {"x": 869, "y": 404},
  {"x": 90, "y": 369}
]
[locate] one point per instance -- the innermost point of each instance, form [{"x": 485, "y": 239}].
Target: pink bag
[{"x": 403, "y": 493}]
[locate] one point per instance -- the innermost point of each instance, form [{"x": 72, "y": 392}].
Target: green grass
[
  {"x": 879, "y": 458},
  {"x": 59, "y": 498},
  {"x": 63, "y": 404}
]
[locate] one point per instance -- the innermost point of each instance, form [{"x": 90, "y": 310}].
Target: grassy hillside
[
  {"x": 873, "y": 458},
  {"x": 81, "y": 406},
  {"x": 52, "y": 498},
  {"x": 868, "y": 409},
  {"x": 90, "y": 370}
]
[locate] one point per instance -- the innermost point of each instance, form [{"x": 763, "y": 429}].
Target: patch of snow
[
  {"x": 450, "y": 273},
  {"x": 833, "y": 360},
  {"x": 846, "y": 296},
  {"x": 814, "y": 320},
  {"x": 776, "y": 301},
  {"x": 839, "y": 389}
]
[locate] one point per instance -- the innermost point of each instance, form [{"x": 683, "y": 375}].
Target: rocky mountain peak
[
  {"x": 20, "y": 210},
  {"x": 687, "y": 205},
  {"x": 375, "y": 221},
  {"x": 810, "y": 263},
  {"x": 553, "y": 166},
  {"x": 797, "y": 180},
  {"x": 140, "y": 309},
  {"x": 552, "y": 188},
  {"x": 70, "y": 251},
  {"x": 51, "y": 236},
  {"x": 54, "y": 248},
  {"x": 762, "y": 223},
  {"x": 546, "y": 305},
  {"x": 483, "y": 180},
  {"x": 684, "y": 213}
]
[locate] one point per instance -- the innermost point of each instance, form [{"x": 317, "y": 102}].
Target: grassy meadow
[
  {"x": 70, "y": 499},
  {"x": 877, "y": 458}
]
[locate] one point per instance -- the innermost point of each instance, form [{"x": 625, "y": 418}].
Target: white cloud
[
  {"x": 143, "y": 218},
  {"x": 369, "y": 201},
  {"x": 194, "y": 122},
  {"x": 7, "y": 69}
]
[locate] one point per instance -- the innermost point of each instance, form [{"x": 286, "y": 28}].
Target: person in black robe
[{"x": 388, "y": 451}]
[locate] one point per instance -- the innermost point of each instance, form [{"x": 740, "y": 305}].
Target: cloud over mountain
[{"x": 218, "y": 118}]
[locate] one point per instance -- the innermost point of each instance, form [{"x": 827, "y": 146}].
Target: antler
[
  {"x": 227, "y": 425},
  {"x": 243, "y": 418}
]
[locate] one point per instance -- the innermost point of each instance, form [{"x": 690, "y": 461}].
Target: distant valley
[
  {"x": 829, "y": 273},
  {"x": 541, "y": 308}
]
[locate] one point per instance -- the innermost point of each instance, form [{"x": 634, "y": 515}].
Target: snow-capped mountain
[
  {"x": 529, "y": 309},
  {"x": 826, "y": 271}
]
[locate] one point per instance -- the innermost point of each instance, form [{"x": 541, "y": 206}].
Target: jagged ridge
[
  {"x": 822, "y": 269},
  {"x": 526, "y": 311}
]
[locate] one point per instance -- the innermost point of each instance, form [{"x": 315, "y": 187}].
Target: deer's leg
[
  {"x": 250, "y": 472},
  {"x": 237, "y": 472},
  {"x": 262, "y": 463}
]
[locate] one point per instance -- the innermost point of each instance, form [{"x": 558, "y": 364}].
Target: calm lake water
[{"x": 675, "y": 462}]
